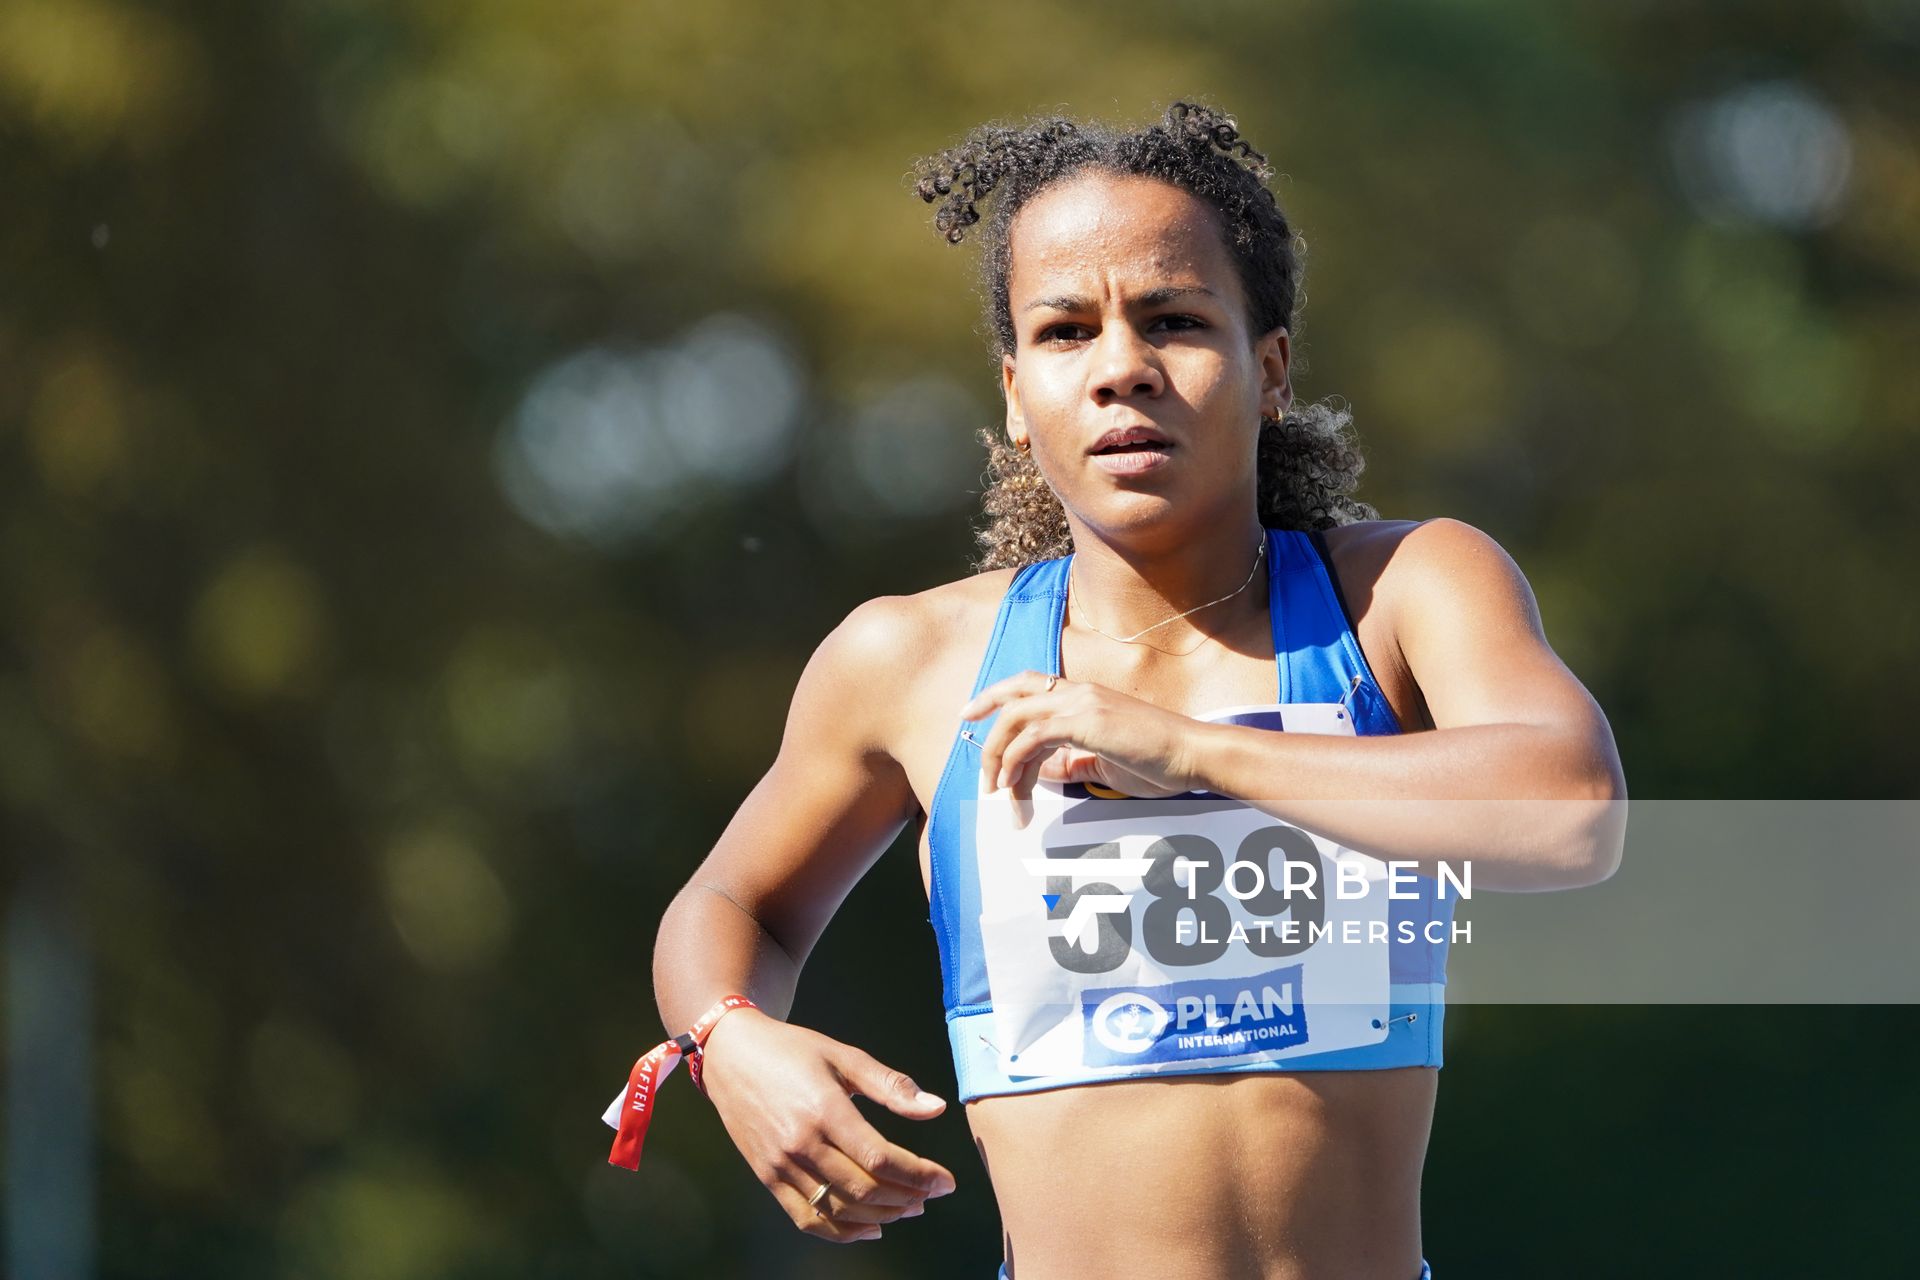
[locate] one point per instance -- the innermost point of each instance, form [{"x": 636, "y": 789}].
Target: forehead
[{"x": 1121, "y": 226}]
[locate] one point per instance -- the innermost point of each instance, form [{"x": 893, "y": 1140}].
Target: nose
[{"x": 1124, "y": 364}]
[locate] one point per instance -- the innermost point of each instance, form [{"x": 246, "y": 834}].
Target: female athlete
[{"x": 1171, "y": 543}]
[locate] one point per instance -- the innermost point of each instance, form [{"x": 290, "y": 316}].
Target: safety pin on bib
[{"x": 1351, "y": 690}]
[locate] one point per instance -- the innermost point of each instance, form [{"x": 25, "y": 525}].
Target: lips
[
  {"x": 1129, "y": 454},
  {"x": 1123, "y": 438}
]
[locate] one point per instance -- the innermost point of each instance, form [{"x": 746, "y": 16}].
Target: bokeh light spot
[
  {"x": 449, "y": 907},
  {"x": 509, "y": 701},
  {"x": 387, "y": 1217},
  {"x": 162, "y": 1126},
  {"x": 117, "y": 696},
  {"x": 78, "y": 426},
  {"x": 92, "y": 71},
  {"x": 609, "y": 445},
  {"x": 1772, "y": 153},
  {"x": 260, "y": 626},
  {"x": 905, "y": 452}
]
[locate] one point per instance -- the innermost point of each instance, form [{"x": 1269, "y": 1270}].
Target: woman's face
[{"x": 1127, "y": 312}]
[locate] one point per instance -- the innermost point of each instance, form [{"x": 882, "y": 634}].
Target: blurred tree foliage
[{"x": 433, "y": 436}]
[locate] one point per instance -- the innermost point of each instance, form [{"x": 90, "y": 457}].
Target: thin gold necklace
[{"x": 1260, "y": 553}]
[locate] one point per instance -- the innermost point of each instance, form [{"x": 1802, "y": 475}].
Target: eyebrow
[{"x": 1151, "y": 298}]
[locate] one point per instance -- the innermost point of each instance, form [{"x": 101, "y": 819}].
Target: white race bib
[{"x": 1139, "y": 935}]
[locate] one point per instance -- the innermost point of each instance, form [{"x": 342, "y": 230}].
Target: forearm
[
  {"x": 1530, "y": 807},
  {"x": 710, "y": 946}
]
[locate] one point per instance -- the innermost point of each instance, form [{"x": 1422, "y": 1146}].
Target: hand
[
  {"x": 786, "y": 1096},
  {"x": 1081, "y": 733}
]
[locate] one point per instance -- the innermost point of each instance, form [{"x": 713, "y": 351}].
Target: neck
[{"x": 1123, "y": 586}]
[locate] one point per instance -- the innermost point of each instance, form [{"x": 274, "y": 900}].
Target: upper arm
[
  {"x": 835, "y": 796},
  {"x": 1469, "y": 627}
]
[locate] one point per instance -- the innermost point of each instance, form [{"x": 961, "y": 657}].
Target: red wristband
[{"x": 651, "y": 1071}]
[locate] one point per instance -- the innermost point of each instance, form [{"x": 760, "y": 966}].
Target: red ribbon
[{"x": 652, "y": 1070}]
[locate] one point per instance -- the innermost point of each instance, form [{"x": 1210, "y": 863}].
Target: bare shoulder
[
  {"x": 1399, "y": 562},
  {"x": 1419, "y": 590},
  {"x": 893, "y": 652},
  {"x": 1444, "y": 564},
  {"x": 963, "y": 600},
  {"x": 919, "y": 625},
  {"x": 1364, "y": 548},
  {"x": 1361, "y": 554}
]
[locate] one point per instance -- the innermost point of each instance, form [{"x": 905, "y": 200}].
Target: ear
[
  {"x": 1010, "y": 391},
  {"x": 1276, "y": 371}
]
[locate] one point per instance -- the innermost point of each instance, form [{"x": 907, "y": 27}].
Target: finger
[
  {"x": 982, "y": 704},
  {"x": 998, "y": 693},
  {"x": 823, "y": 1225},
  {"x": 1042, "y": 764},
  {"x": 855, "y": 1184},
  {"x": 855, "y": 1195},
  {"x": 1027, "y": 748},
  {"x": 1067, "y": 764},
  {"x": 882, "y": 1159},
  {"x": 863, "y": 1075},
  {"x": 994, "y": 744},
  {"x": 1021, "y": 790},
  {"x": 1014, "y": 717}
]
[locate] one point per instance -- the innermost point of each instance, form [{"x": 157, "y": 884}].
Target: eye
[{"x": 1059, "y": 333}]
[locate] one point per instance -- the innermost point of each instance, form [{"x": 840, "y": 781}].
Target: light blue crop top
[{"x": 1316, "y": 660}]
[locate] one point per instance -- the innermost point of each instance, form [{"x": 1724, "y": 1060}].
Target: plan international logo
[{"x": 1204, "y": 1018}]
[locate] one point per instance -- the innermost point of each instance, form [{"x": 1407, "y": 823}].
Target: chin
[{"x": 1128, "y": 514}]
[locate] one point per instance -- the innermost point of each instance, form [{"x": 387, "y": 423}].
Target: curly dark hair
[{"x": 1309, "y": 461}]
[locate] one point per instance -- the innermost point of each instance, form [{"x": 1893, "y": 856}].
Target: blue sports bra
[{"x": 1073, "y": 951}]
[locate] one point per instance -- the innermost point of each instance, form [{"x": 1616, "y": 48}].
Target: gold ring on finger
[{"x": 813, "y": 1201}]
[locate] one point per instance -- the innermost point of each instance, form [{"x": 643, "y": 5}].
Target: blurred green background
[{"x": 433, "y": 436}]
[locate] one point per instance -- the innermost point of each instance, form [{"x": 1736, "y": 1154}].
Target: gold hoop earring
[{"x": 1024, "y": 446}]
